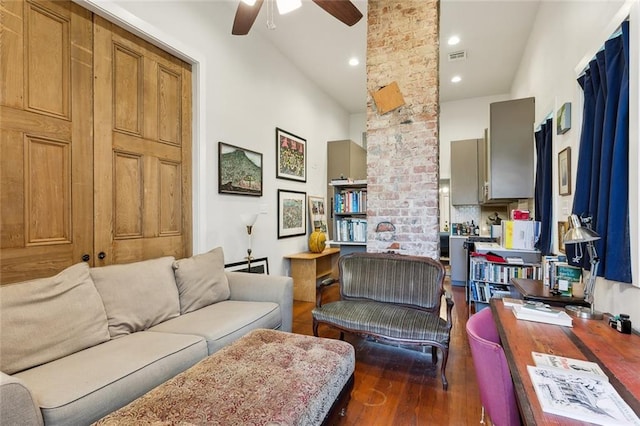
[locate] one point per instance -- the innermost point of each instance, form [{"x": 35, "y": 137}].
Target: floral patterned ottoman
[{"x": 267, "y": 377}]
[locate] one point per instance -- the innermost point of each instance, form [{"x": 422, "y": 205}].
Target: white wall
[
  {"x": 464, "y": 119},
  {"x": 565, "y": 36},
  {"x": 244, "y": 89}
]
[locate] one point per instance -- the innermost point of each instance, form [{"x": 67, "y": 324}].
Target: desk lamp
[
  {"x": 249, "y": 220},
  {"x": 584, "y": 234}
]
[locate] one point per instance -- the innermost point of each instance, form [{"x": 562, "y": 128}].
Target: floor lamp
[
  {"x": 584, "y": 234},
  {"x": 249, "y": 220}
]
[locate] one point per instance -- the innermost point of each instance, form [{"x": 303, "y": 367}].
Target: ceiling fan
[{"x": 248, "y": 10}]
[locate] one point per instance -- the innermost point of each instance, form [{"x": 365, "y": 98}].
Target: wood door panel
[
  {"x": 128, "y": 197},
  {"x": 127, "y": 88},
  {"x": 129, "y": 143},
  {"x": 170, "y": 196},
  {"x": 47, "y": 50},
  {"x": 48, "y": 188},
  {"x": 169, "y": 114},
  {"x": 133, "y": 250},
  {"x": 46, "y": 179}
]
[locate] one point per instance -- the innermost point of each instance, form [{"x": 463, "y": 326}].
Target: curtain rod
[
  {"x": 616, "y": 33},
  {"x": 544, "y": 120}
]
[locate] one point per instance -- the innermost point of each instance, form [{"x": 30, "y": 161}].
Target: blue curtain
[
  {"x": 543, "y": 185},
  {"x": 602, "y": 179}
]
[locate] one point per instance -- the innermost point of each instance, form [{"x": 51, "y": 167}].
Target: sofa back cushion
[
  {"x": 201, "y": 280},
  {"x": 49, "y": 318},
  {"x": 137, "y": 295},
  {"x": 386, "y": 277}
]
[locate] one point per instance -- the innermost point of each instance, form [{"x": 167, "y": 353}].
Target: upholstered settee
[
  {"x": 393, "y": 298},
  {"x": 81, "y": 344}
]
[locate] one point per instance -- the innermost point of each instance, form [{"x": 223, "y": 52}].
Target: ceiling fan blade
[
  {"x": 343, "y": 10},
  {"x": 245, "y": 17}
]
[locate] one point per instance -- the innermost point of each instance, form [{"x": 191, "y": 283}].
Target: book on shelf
[
  {"x": 531, "y": 315},
  {"x": 588, "y": 398},
  {"x": 571, "y": 365},
  {"x": 566, "y": 276}
]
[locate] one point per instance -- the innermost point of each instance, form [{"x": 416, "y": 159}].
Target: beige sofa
[{"x": 86, "y": 342}]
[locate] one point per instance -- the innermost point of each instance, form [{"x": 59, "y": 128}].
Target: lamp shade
[
  {"x": 578, "y": 233},
  {"x": 248, "y": 219}
]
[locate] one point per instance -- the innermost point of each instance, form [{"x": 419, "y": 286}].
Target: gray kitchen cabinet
[
  {"x": 458, "y": 260},
  {"x": 464, "y": 172},
  {"x": 510, "y": 150}
]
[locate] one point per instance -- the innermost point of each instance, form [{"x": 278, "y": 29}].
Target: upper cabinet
[
  {"x": 465, "y": 171},
  {"x": 508, "y": 173}
]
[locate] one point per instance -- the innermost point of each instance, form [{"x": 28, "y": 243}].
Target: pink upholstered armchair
[{"x": 494, "y": 379}]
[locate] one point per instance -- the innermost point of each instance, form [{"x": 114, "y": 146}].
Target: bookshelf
[
  {"x": 349, "y": 213},
  {"x": 489, "y": 279}
]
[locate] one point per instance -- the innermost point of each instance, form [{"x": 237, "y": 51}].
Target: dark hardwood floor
[{"x": 397, "y": 386}]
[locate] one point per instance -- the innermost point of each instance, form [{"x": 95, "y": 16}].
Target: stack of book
[
  {"x": 578, "y": 389},
  {"x": 539, "y": 312}
]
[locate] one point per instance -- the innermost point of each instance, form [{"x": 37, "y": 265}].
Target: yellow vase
[{"x": 317, "y": 241}]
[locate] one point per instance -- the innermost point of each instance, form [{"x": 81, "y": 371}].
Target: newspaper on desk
[{"x": 583, "y": 397}]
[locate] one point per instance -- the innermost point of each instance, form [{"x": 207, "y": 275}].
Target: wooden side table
[{"x": 307, "y": 268}]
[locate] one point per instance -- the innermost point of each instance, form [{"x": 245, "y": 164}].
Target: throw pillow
[
  {"x": 50, "y": 318},
  {"x": 137, "y": 295},
  {"x": 201, "y": 280}
]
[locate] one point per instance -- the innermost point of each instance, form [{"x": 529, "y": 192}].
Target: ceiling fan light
[
  {"x": 286, "y": 6},
  {"x": 249, "y": 2}
]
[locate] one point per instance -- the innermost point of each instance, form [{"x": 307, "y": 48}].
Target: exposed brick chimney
[{"x": 402, "y": 145}]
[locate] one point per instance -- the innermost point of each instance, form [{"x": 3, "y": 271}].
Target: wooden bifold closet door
[{"x": 95, "y": 143}]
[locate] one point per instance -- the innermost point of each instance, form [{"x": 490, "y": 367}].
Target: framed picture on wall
[
  {"x": 292, "y": 214},
  {"x": 563, "y": 227},
  {"x": 258, "y": 266},
  {"x": 564, "y": 171},
  {"x": 239, "y": 171},
  {"x": 291, "y": 156},
  {"x": 318, "y": 213}
]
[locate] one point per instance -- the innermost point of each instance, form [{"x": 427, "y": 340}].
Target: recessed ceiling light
[
  {"x": 456, "y": 79},
  {"x": 453, "y": 40},
  {"x": 354, "y": 61}
]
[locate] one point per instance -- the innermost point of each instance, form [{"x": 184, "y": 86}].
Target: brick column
[{"x": 402, "y": 145}]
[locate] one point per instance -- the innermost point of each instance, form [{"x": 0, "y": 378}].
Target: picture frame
[
  {"x": 239, "y": 171},
  {"x": 318, "y": 214},
  {"x": 291, "y": 156},
  {"x": 564, "y": 171},
  {"x": 563, "y": 119},
  {"x": 258, "y": 266},
  {"x": 563, "y": 227},
  {"x": 292, "y": 215}
]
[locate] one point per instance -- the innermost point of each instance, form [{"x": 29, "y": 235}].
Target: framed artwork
[
  {"x": 317, "y": 213},
  {"x": 291, "y": 156},
  {"x": 563, "y": 119},
  {"x": 258, "y": 266},
  {"x": 563, "y": 227},
  {"x": 564, "y": 171},
  {"x": 292, "y": 215},
  {"x": 239, "y": 171}
]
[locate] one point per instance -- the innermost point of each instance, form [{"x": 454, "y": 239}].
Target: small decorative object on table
[{"x": 317, "y": 241}]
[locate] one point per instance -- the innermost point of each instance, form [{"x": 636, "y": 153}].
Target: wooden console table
[
  {"x": 594, "y": 340},
  {"x": 536, "y": 291},
  {"x": 307, "y": 268}
]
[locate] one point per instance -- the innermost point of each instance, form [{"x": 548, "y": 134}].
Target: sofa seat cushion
[
  {"x": 87, "y": 385},
  {"x": 122, "y": 287},
  {"x": 224, "y": 322},
  {"x": 49, "y": 318},
  {"x": 384, "y": 319},
  {"x": 201, "y": 280}
]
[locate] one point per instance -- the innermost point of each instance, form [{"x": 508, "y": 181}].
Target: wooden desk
[
  {"x": 307, "y": 267},
  {"x": 535, "y": 290},
  {"x": 618, "y": 354}
]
